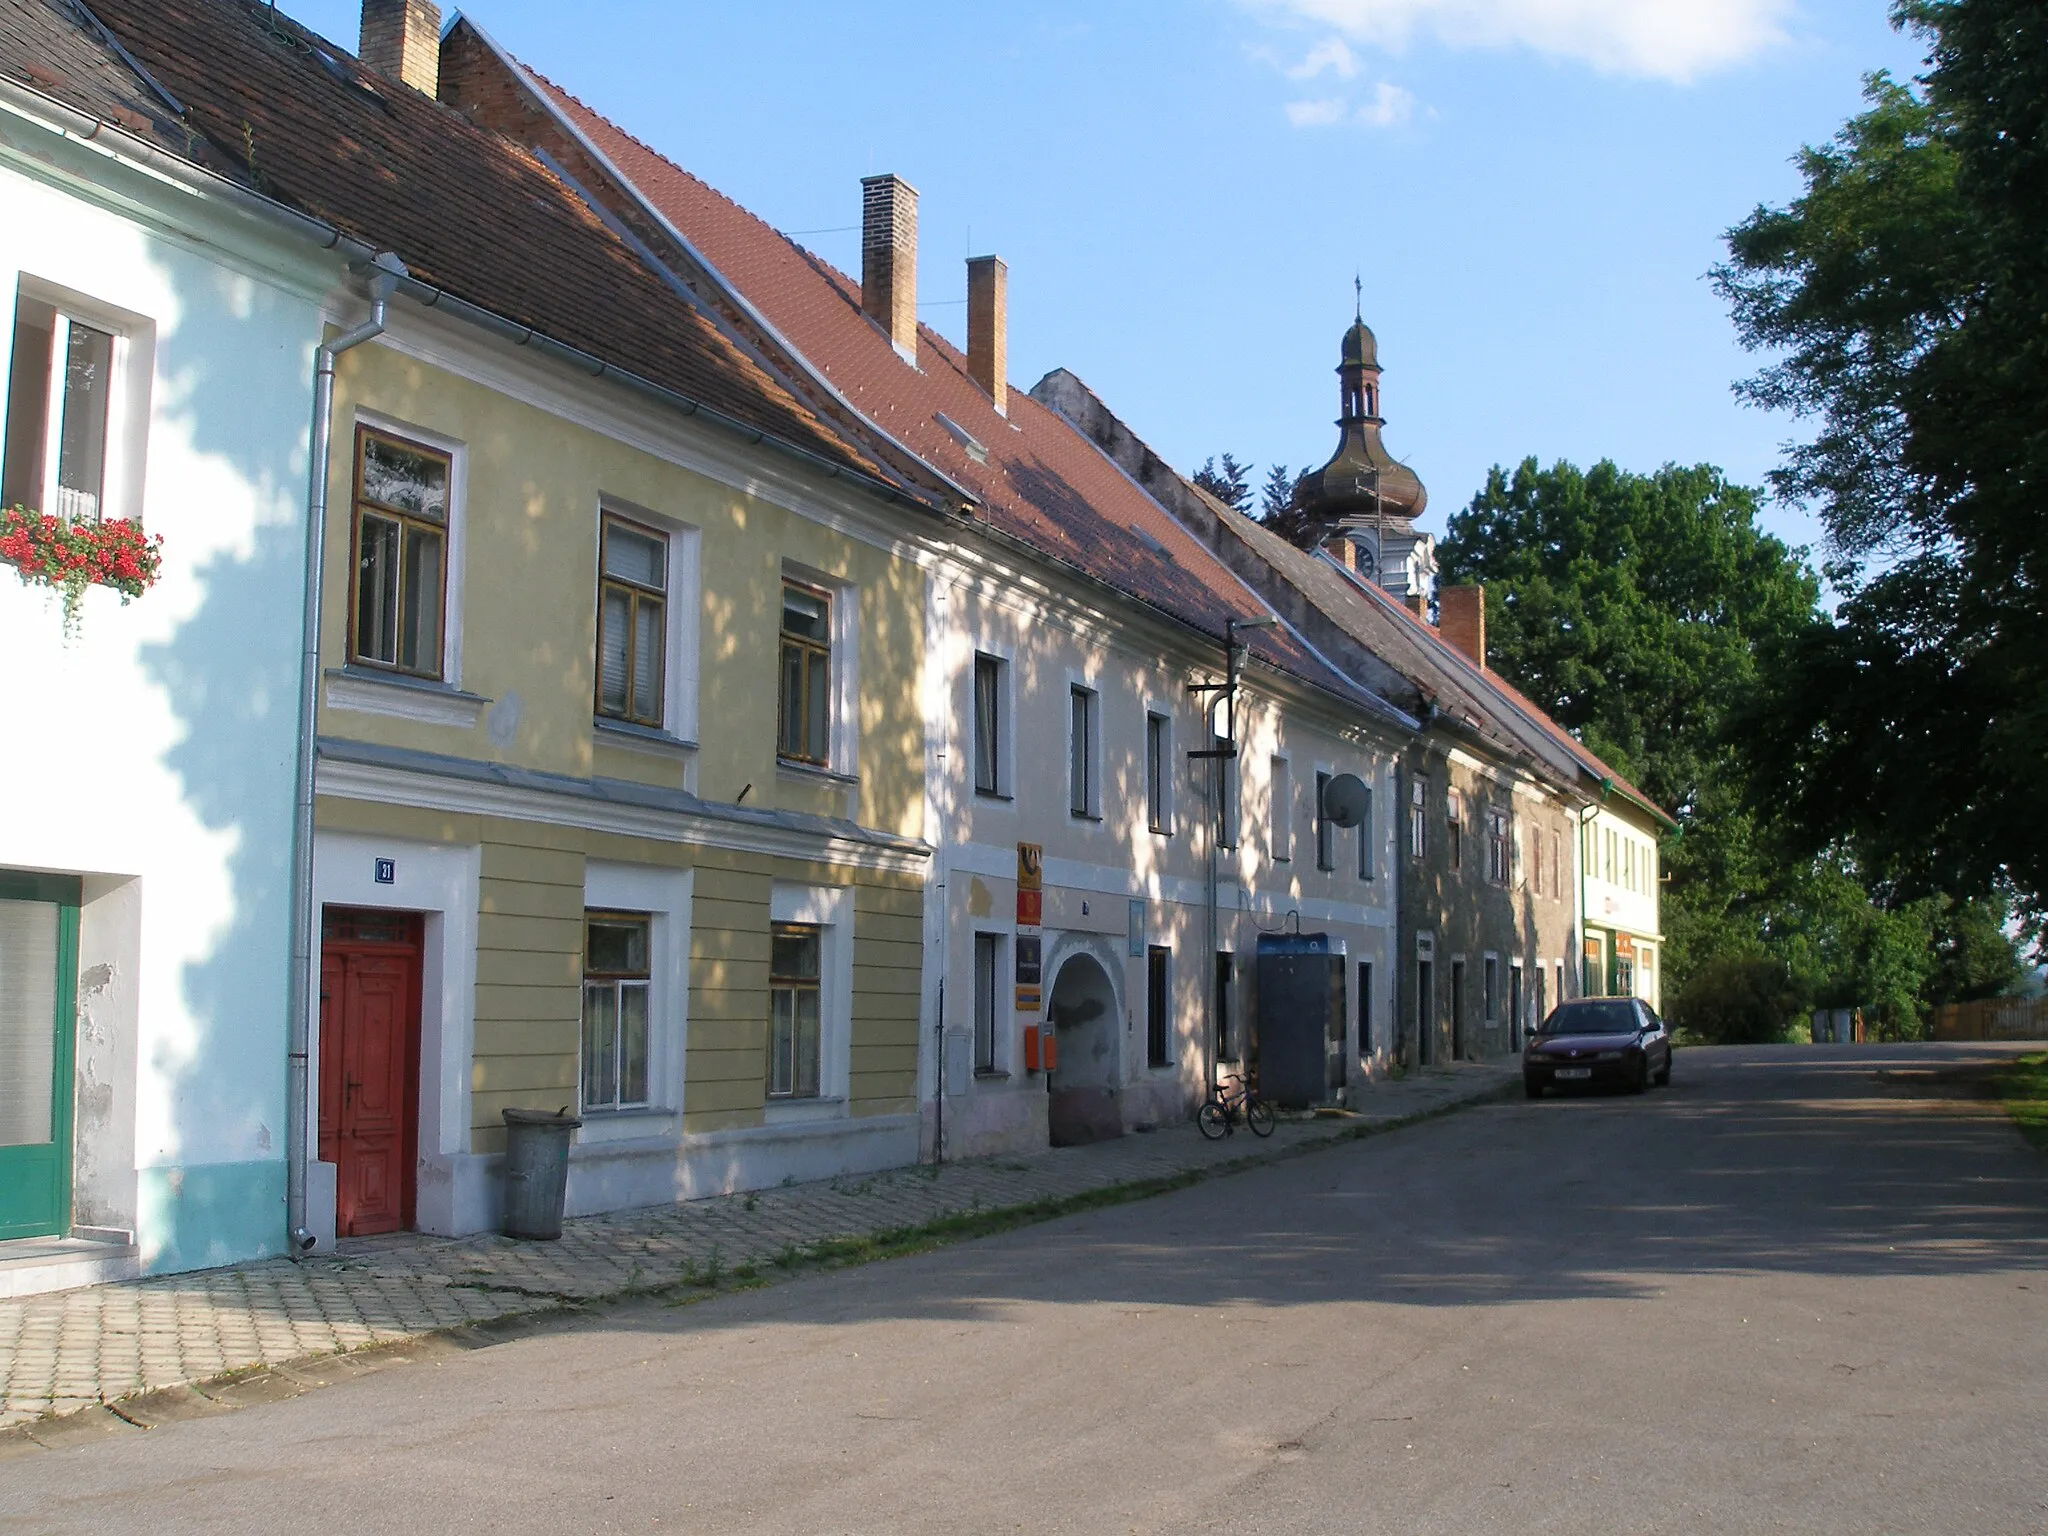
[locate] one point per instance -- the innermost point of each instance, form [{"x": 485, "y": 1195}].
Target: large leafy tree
[{"x": 1903, "y": 300}]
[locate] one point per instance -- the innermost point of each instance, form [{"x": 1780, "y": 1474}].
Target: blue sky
[{"x": 1531, "y": 191}]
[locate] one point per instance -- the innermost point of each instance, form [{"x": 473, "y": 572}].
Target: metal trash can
[{"x": 536, "y": 1171}]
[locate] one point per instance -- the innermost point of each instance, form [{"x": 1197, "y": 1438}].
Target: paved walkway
[{"x": 68, "y": 1351}]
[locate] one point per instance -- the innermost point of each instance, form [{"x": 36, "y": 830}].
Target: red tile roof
[
  {"x": 466, "y": 210},
  {"x": 1040, "y": 482}
]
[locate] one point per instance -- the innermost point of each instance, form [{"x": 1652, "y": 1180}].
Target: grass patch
[{"x": 2024, "y": 1086}]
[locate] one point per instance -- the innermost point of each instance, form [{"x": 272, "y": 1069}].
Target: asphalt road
[{"x": 1787, "y": 1293}]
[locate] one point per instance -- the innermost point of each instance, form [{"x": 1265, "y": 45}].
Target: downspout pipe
[{"x": 381, "y": 276}]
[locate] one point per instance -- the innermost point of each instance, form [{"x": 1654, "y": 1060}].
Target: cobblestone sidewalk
[{"x": 70, "y": 1350}]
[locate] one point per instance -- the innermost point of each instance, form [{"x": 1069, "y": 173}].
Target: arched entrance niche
[{"x": 1083, "y": 1101}]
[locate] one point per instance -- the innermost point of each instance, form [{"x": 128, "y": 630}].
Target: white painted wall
[{"x": 154, "y": 754}]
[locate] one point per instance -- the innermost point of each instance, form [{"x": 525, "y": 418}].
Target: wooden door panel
[{"x": 368, "y": 1103}]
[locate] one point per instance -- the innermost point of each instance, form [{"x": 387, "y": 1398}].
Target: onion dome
[{"x": 1362, "y": 479}]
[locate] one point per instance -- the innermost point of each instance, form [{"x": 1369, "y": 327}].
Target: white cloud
[
  {"x": 1331, "y": 53},
  {"x": 1327, "y": 113},
  {"x": 1659, "y": 39},
  {"x": 1388, "y": 107}
]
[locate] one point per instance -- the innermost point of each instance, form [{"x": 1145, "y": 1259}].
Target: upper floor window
[
  {"x": 1368, "y": 867},
  {"x": 1159, "y": 772},
  {"x": 632, "y": 621},
  {"x": 1454, "y": 830},
  {"x": 77, "y": 395},
  {"x": 806, "y": 715},
  {"x": 1227, "y": 782},
  {"x": 401, "y": 553},
  {"x": 991, "y": 725},
  {"x": 796, "y": 1015},
  {"x": 1556, "y": 864},
  {"x": 616, "y": 978},
  {"x": 1499, "y": 867},
  {"x": 1084, "y": 795},
  {"x": 1326, "y": 829},
  {"x": 1418, "y": 820},
  {"x": 1281, "y": 827}
]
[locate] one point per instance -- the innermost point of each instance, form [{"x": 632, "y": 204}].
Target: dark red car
[{"x": 1616, "y": 1042}]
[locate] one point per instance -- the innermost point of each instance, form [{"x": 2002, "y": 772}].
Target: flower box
[{"x": 50, "y": 551}]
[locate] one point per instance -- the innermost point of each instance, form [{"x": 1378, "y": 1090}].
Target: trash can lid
[{"x": 542, "y": 1117}]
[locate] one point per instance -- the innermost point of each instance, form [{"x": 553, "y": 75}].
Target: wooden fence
[{"x": 1994, "y": 1018}]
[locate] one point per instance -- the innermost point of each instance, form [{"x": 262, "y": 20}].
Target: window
[
  {"x": 805, "y": 733},
  {"x": 1542, "y": 1000},
  {"x": 1418, "y": 822},
  {"x": 615, "y": 1010},
  {"x": 632, "y": 624},
  {"x": 1611, "y": 860},
  {"x": 1556, "y": 864},
  {"x": 794, "y": 1010},
  {"x": 1158, "y": 1035},
  {"x": 1281, "y": 830},
  {"x": 989, "y": 724},
  {"x": 1227, "y": 776},
  {"x": 1227, "y": 1048},
  {"x": 1083, "y": 717},
  {"x": 401, "y": 553},
  {"x": 1368, "y": 858},
  {"x": 1536, "y": 865},
  {"x": 1498, "y": 854},
  {"x": 1159, "y": 772},
  {"x": 1326, "y": 829},
  {"x": 1489, "y": 996},
  {"x": 1365, "y": 1045},
  {"x": 1454, "y": 829},
  {"x": 1514, "y": 1003},
  {"x": 988, "y": 996},
  {"x": 60, "y": 407}
]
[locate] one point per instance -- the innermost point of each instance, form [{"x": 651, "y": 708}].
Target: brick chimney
[
  {"x": 888, "y": 259},
  {"x": 988, "y": 327},
  {"x": 401, "y": 40},
  {"x": 1461, "y": 619}
]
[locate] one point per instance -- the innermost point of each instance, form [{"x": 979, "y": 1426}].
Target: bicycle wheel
[
  {"x": 1213, "y": 1119},
  {"x": 1258, "y": 1114}
]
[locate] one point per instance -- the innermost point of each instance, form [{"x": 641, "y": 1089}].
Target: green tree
[
  {"x": 1902, "y": 298},
  {"x": 1231, "y": 484},
  {"x": 1637, "y": 609}
]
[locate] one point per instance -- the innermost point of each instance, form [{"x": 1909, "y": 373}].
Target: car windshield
[{"x": 1598, "y": 1018}]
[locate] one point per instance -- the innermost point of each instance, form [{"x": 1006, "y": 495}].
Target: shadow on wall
[{"x": 234, "y": 388}]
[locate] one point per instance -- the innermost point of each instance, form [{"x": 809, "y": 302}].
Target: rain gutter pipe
[{"x": 382, "y": 277}]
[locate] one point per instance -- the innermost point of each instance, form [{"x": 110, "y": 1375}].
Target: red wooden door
[{"x": 369, "y": 1067}]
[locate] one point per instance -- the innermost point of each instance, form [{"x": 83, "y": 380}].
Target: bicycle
[{"x": 1227, "y": 1108}]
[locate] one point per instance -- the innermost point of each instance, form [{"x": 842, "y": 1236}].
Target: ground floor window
[
  {"x": 795, "y": 1010},
  {"x": 1227, "y": 1046},
  {"x": 1365, "y": 1041},
  {"x": 988, "y": 995},
  {"x": 1158, "y": 1015},
  {"x": 615, "y": 1010}
]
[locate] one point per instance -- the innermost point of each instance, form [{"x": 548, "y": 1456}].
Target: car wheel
[
  {"x": 1642, "y": 1081},
  {"x": 1664, "y": 1075},
  {"x": 1531, "y": 1087}
]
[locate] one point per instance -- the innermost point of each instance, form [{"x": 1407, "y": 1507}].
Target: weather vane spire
[{"x": 1358, "y": 292}]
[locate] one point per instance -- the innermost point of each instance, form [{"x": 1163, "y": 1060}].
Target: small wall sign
[{"x": 387, "y": 871}]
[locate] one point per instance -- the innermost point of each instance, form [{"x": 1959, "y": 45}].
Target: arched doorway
[{"x": 1083, "y": 1103}]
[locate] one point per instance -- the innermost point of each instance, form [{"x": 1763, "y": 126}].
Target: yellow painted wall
[{"x": 530, "y": 505}]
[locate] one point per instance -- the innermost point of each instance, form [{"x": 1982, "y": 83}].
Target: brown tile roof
[
  {"x": 466, "y": 210},
  {"x": 54, "y": 48},
  {"x": 1040, "y": 481}
]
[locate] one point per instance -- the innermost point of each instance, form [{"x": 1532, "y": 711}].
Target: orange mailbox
[
  {"x": 1049, "y": 1050},
  {"x": 1030, "y": 1047}
]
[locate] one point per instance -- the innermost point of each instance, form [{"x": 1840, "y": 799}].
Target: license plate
[{"x": 1574, "y": 1071}]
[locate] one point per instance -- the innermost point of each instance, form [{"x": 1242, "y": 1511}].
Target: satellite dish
[{"x": 1346, "y": 800}]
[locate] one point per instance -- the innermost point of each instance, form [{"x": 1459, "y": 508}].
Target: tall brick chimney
[
  {"x": 988, "y": 327},
  {"x": 1461, "y": 619},
  {"x": 401, "y": 40},
  {"x": 888, "y": 259}
]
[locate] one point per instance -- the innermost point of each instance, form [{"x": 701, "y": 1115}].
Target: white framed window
[
  {"x": 1454, "y": 828},
  {"x": 817, "y": 684},
  {"x": 1418, "y": 819},
  {"x": 1498, "y": 846},
  {"x": 1084, "y": 751},
  {"x": 406, "y": 535},
  {"x": 1368, "y": 851},
  {"x": 810, "y": 988},
  {"x": 1280, "y": 820},
  {"x": 77, "y": 422},
  {"x": 1229, "y": 796},
  {"x": 618, "y": 954},
  {"x": 988, "y": 1003},
  {"x": 991, "y": 725},
  {"x": 636, "y": 950},
  {"x": 1159, "y": 772},
  {"x": 646, "y": 659}
]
